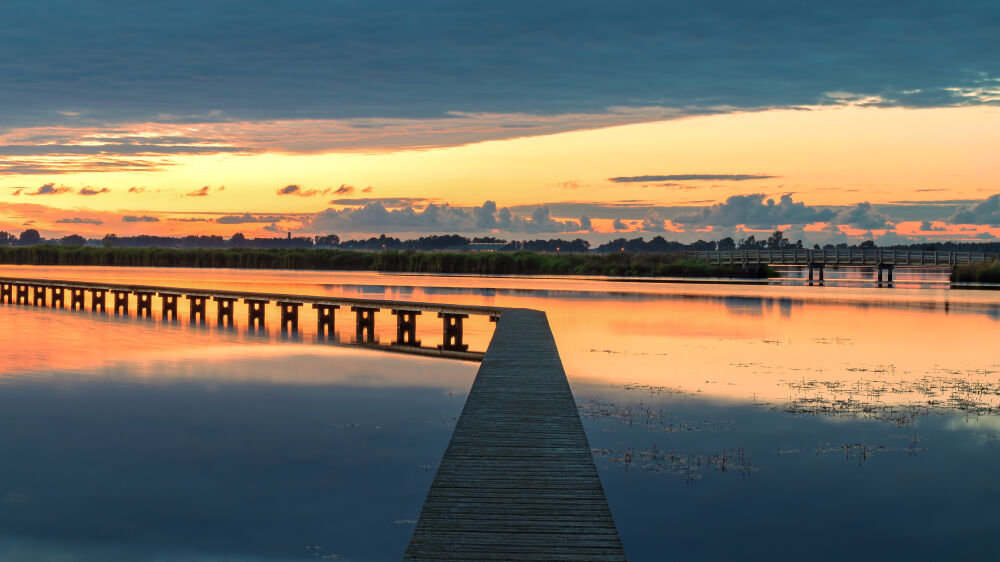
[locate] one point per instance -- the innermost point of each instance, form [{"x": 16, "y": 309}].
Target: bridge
[
  {"x": 518, "y": 479},
  {"x": 817, "y": 260}
]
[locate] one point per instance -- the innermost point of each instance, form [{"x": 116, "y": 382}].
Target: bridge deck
[{"x": 518, "y": 481}]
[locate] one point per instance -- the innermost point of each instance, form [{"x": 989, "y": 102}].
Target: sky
[{"x": 833, "y": 121}]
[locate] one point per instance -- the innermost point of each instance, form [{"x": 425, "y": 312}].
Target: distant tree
[
  {"x": 110, "y": 241},
  {"x": 237, "y": 241},
  {"x": 750, "y": 243},
  {"x": 328, "y": 241},
  {"x": 727, "y": 244},
  {"x": 867, "y": 245},
  {"x": 816, "y": 247},
  {"x": 778, "y": 241},
  {"x": 73, "y": 240},
  {"x": 29, "y": 237},
  {"x": 488, "y": 240},
  {"x": 7, "y": 239}
]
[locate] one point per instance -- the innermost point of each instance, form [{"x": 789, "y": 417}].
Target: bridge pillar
[
  {"x": 58, "y": 297},
  {"x": 168, "y": 302},
  {"x": 255, "y": 313},
  {"x": 289, "y": 316},
  {"x": 6, "y": 293},
  {"x": 144, "y": 304},
  {"x": 39, "y": 299},
  {"x": 324, "y": 319},
  {"x": 97, "y": 299},
  {"x": 452, "y": 324},
  {"x": 365, "y": 323},
  {"x": 406, "y": 327},
  {"x": 819, "y": 269},
  {"x": 121, "y": 302},
  {"x": 22, "y": 294},
  {"x": 225, "y": 305},
  {"x": 197, "y": 313},
  {"x": 810, "y": 274},
  {"x": 76, "y": 299},
  {"x": 879, "y": 275}
]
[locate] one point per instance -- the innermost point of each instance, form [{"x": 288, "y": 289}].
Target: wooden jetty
[{"x": 518, "y": 480}]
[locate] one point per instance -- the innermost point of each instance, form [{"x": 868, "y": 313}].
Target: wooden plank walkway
[{"x": 518, "y": 481}]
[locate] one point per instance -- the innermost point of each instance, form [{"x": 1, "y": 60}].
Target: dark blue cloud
[{"x": 192, "y": 61}]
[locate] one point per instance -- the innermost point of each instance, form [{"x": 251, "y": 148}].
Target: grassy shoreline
[
  {"x": 984, "y": 273},
  {"x": 520, "y": 262}
]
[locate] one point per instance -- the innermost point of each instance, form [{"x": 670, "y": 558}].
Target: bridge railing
[{"x": 844, "y": 257}]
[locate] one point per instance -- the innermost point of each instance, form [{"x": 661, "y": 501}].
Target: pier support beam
[
  {"x": 76, "y": 299},
  {"x": 6, "y": 293},
  {"x": 365, "y": 330},
  {"x": 97, "y": 299},
  {"x": 144, "y": 304},
  {"x": 452, "y": 333},
  {"x": 255, "y": 313},
  {"x": 121, "y": 302},
  {"x": 168, "y": 302},
  {"x": 406, "y": 327},
  {"x": 58, "y": 297},
  {"x": 289, "y": 316},
  {"x": 39, "y": 299},
  {"x": 810, "y": 274},
  {"x": 225, "y": 310},
  {"x": 197, "y": 311},
  {"x": 324, "y": 319},
  {"x": 22, "y": 294},
  {"x": 888, "y": 272}
]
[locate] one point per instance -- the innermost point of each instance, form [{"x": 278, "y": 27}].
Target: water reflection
[
  {"x": 793, "y": 421},
  {"x": 222, "y": 452}
]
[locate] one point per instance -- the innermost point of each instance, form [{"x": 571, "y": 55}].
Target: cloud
[
  {"x": 247, "y": 218},
  {"x": 203, "y": 191},
  {"x": 753, "y": 210},
  {"x": 296, "y": 190},
  {"x": 619, "y": 225},
  {"x": 375, "y": 217},
  {"x": 142, "y": 218},
  {"x": 653, "y": 222},
  {"x": 367, "y": 189},
  {"x": 585, "y": 224},
  {"x": 92, "y": 191},
  {"x": 347, "y": 60},
  {"x": 79, "y": 220},
  {"x": 50, "y": 189},
  {"x": 387, "y": 201},
  {"x": 344, "y": 190},
  {"x": 689, "y": 177},
  {"x": 985, "y": 212},
  {"x": 863, "y": 216}
]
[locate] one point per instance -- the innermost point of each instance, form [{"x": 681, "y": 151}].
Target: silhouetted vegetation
[
  {"x": 985, "y": 273},
  {"x": 410, "y": 261}
]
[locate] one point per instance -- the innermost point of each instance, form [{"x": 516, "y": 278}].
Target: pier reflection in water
[{"x": 727, "y": 418}]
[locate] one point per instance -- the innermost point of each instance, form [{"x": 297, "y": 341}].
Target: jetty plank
[{"x": 518, "y": 480}]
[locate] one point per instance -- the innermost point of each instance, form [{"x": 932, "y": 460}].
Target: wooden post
[
  {"x": 225, "y": 310},
  {"x": 197, "y": 309},
  {"x": 324, "y": 319},
  {"x": 6, "y": 293},
  {"x": 452, "y": 333},
  {"x": 22, "y": 294},
  {"x": 144, "y": 304},
  {"x": 58, "y": 297},
  {"x": 97, "y": 299},
  {"x": 289, "y": 316},
  {"x": 255, "y": 312},
  {"x": 39, "y": 295},
  {"x": 76, "y": 299},
  {"x": 810, "y": 274},
  {"x": 168, "y": 302},
  {"x": 365, "y": 330},
  {"x": 121, "y": 302},
  {"x": 406, "y": 327}
]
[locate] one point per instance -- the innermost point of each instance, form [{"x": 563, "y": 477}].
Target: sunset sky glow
[{"x": 520, "y": 120}]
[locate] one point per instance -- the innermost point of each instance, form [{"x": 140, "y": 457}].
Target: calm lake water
[{"x": 728, "y": 421}]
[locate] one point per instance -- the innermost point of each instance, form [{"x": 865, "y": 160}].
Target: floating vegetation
[
  {"x": 690, "y": 466},
  {"x": 862, "y": 452},
  {"x": 645, "y": 417},
  {"x": 897, "y": 401}
]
